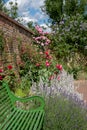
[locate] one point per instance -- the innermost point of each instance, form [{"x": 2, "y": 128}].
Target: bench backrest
[{"x": 5, "y": 103}]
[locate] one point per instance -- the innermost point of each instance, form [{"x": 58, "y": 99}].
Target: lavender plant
[
  {"x": 63, "y": 84},
  {"x": 65, "y": 108},
  {"x": 63, "y": 114}
]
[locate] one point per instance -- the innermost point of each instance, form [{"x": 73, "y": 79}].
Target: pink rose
[
  {"x": 47, "y": 64},
  {"x": 51, "y": 77},
  {"x": 37, "y": 64}
]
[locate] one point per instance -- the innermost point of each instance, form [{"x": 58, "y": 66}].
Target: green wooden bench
[{"x": 15, "y": 118}]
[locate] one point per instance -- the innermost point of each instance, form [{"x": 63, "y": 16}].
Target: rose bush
[
  {"x": 38, "y": 60},
  {"x": 8, "y": 74}
]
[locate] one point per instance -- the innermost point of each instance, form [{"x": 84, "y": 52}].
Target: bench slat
[
  {"x": 4, "y": 106},
  {"x": 3, "y": 97},
  {"x": 38, "y": 121},
  {"x": 27, "y": 120},
  {"x": 12, "y": 118},
  {"x": 22, "y": 121},
  {"x": 15, "y": 120},
  {"x": 30, "y": 120},
  {"x": 6, "y": 122},
  {"x": 34, "y": 120},
  {"x": 4, "y": 110},
  {"x": 19, "y": 120},
  {"x": 5, "y": 114}
]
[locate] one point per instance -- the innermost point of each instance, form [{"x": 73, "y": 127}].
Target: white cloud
[
  {"x": 30, "y": 10},
  {"x": 26, "y": 4},
  {"x": 36, "y": 3},
  {"x": 47, "y": 28}
]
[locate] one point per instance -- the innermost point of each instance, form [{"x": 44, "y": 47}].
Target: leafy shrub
[{"x": 68, "y": 42}]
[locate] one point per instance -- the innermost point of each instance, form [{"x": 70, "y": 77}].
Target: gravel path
[{"x": 81, "y": 87}]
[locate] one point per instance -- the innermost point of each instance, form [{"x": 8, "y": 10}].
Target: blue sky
[{"x": 30, "y": 11}]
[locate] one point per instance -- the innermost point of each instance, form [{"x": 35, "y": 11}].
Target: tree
[
  {"x": 13, "y": 12},
  {"x": 2, "y": 6},
  {"x": 31, "y": 25},
  {"x": 54, "y": 9},
  {"x": 58, "y": 9}
]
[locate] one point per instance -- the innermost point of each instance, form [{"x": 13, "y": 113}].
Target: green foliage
[
  {"x": 75, "y": 71},
  {"x": 36, "y": 64},
  {"x": 73, "y": 7},
  {"x": 72, "y": 32},
  {"x": 54, "y": 9},
  {"x": 31, "y": 26},
  {"x": 13, "y": 12},
  {"x": 62, "y": 114},
  {"x": 1, "y": 41},
  {"x": 68, "y": 41},
  {"x": 57, "y": 10},
  {"x": 19, "y": 92},
  {"x": 2, "y": 6}
]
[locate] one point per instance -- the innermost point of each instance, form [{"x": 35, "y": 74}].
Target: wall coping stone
[{"x": 5, "y": 16}]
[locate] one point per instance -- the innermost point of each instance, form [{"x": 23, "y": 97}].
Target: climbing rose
[
  {"x": 59, "y": 67},
  {"x": 1, "y": 78},
  {"x": 1, "y": 70},
  {"x": 9, "y": 67},
  {"x": 51, "y": 77},
  {"x": 47, "y": 63},
  {"x": 47, "y": 53},
  {"x": 37, "y": 64},
  {"x": 58, "y": 77},
  {"x": 39, "y": 29},
  {"x": 49, "y": 57}
]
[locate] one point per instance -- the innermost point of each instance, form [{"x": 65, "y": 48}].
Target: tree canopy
[
  {"x": 13, "y": 11},
  {"x": 58, "y": 9},
  {"x": 2, "y": 6}
]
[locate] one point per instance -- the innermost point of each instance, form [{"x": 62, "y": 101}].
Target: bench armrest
[{"x": 27, "y": 99}]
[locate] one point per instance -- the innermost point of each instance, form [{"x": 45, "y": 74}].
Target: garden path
[{"x": 81, "y": 87}]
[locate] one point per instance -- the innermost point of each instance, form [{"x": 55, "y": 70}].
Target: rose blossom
[
  {"x": 47, "y": 53},
  {"x": 47, "y": 63},
  {"x": 1, "y": 78},
  {"x": 1, "y": 70},
  {"x": 9, "y": 67},
  {"x": 59, "y": 67},
  {"x": 37, "y": 64},
  {"x": 51, "y": 77}
]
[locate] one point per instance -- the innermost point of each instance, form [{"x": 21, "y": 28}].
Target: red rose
[
  {"x": 1, "y": 70},
  {"x": 9, "y": 67},
  {"x": 47, "y": 53},
  {"x": 49, "y": 57},
  {"x": 59, "y": 67},
  {"x": 1, "y": 78}
]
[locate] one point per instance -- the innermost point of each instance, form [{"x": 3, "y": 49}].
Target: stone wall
[{"x": 14, "y": 35}]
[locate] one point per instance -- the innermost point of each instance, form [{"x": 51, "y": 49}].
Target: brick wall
[{"x": 15, "y": 35}]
